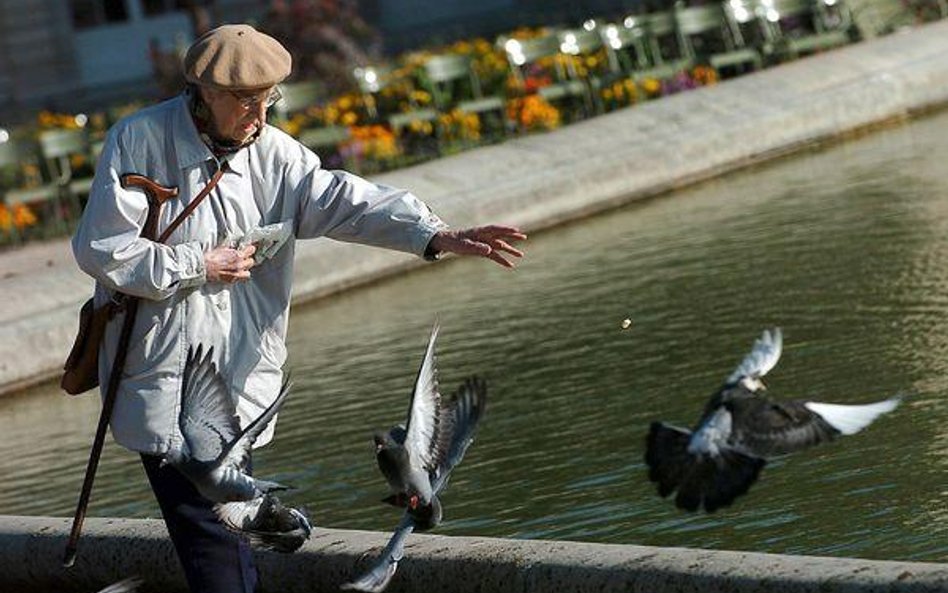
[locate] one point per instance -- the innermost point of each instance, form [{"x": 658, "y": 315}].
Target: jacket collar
[{"x": 191, "y": 150}]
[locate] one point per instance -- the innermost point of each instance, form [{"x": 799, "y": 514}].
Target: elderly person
[{"x": 223, "y": 277}]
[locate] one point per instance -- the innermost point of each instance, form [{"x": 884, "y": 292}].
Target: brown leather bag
[
  {"x": 82, "y": 366},
  {"x": 81, "y": 371}
]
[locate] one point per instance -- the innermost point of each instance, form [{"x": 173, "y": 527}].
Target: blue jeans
[{"x": 214, "y": 559}]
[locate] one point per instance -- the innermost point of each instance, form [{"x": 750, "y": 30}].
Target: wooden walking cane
[{"x": 157, "y": 196}]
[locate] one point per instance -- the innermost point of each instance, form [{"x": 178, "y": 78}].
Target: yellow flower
[
  {"x": 652, "y": 86},
  {"x": 421, "y": 97},
  {"x": 350, "y": 118},
  {"x": 290, "y": 127}
]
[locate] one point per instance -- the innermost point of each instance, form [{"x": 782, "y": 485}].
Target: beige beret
[{"x": 236, "y": 57}]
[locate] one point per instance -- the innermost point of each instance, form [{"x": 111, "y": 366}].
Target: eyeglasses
[{"x": 252, "y": 101}]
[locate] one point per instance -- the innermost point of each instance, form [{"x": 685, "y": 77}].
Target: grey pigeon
[
  {"x": 214, "y": 451},
  {"x": 214, "y": 455},
  {"x": 417, "y": 459},
  {"x": 267, "y": 523},
  {"x": 129, "y": 585},
  {"x": 740, "y": 428}
]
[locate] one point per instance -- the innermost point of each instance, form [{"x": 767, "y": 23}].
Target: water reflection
[{"x": 845, "y": 249}]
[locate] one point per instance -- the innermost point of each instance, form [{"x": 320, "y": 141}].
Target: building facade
[
  {"x": 68, "y": 55},
  {"x": 72, "y": 55}
]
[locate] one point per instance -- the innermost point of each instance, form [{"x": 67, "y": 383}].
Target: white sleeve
[
  {"x": 107, "y": 243},
  {"x": 343, "y": 206}
]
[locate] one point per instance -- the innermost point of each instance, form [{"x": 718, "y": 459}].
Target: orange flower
[
  {"x": 23, "y": 216},
  {"x": 20, "y": 218}
]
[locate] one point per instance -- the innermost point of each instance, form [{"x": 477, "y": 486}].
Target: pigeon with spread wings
[
  {"x": 740, "y": 428},
  {"x": 417, "y": 459},
  {"x": 214, "y": 455}
]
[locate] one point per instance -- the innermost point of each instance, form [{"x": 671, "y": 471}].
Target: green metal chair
[
  {"x": 35, "y": 193},
  {"x": 704, "y": 35},
  {"x": 585, "y": 43},
  {"x": 747, "y": 25},
  {"x": 58, "y": 147},
  {"x": 799, "y": 27},
  {"x": 400, "y": 121},
  {"x": 296, "y": 97},
  {"x": 625, "y": 45},
  {"x": 663, "y": 55},
  {"x": 372, "y": 80},
  {"x": 664, "y": 45},
  {"x": 328, "y": 137},
  {"x": 455, "y": 85},
  {"x": 523, "y": 54}
]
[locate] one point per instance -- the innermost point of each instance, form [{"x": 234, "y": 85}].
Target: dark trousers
[{"x": 214, "y": 559}]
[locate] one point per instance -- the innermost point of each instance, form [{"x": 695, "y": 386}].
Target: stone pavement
[{"x": 545, "y": 179}]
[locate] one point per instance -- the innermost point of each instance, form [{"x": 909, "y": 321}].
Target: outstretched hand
[{"x": 490, "y": 241}]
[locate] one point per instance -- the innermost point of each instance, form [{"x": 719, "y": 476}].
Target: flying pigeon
[
  {"x": 214, "y": 455},
  {"x": 740, "y": 429},
  {"x": 417, "y": 458}
]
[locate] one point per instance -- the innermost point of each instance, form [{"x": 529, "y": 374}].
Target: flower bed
[{"x": 371, "y": 143}]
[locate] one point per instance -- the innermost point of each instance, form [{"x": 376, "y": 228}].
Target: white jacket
[{"x": 275, "y": 179}]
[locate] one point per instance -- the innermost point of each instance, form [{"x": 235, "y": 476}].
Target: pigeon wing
[
  {"x": 764, "y": 428},
  {"x": 380, "y": 575},
  {"x": 462, "y": 417},
  {"x": 208, "y": 417},
  {"x": 850, "y": 419},
  {"x": 424, "y": 412},
  {"x": 762, "y": 358},
  {"x": 237, "y": 452}
]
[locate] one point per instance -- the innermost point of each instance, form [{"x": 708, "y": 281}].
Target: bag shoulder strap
[{"x": 194, "y": 204}]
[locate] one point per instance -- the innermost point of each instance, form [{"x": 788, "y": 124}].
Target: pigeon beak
[
  {"x": 763, "y": 386},
  {"x": 379, "y": 443}
]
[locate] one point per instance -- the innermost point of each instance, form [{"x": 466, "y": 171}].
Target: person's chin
[{"x": 247, "y": 131}]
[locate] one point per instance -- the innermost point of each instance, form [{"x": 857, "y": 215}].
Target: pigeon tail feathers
[
  {"x": 381, "y": 573},
  {"x": 716, "y": 481},
  {"x": 711, "y": 481},
  {"x": 666, "y": 453},
  {"x": 268, "y": 486}
]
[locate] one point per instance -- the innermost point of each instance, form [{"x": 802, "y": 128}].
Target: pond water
[{"x": 846, "y": 249}]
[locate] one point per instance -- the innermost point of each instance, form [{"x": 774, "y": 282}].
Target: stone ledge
[{"x": 31, "y": 549}]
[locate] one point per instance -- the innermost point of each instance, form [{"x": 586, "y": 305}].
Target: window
[
  {"x": 156, "y": 7},
  {"x": 94, "y": 13}
]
